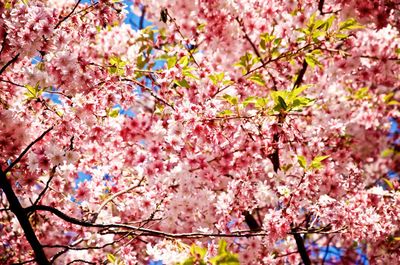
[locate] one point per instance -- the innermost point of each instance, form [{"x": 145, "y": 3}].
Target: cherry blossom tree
[{"x": 262, "y": 139}]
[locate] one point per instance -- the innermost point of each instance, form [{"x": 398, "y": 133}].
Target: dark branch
[
  {"x": 301, "y": 247},
  {"x": 23, "y": 219},
  {"x": 52, "y": 172},
  {"x": 80, "y": 262},
  {"x": 24, "y": 262},
  {"x": 321, "y": 6},
  {"x": 326, "y": 251},
  {"x": 142, "y": 231},
  {"x": 26, "y": 150},
  {"x": 247, "y": 37},
  {"x": 66, "y": 17},
  {"x": 251, "y": 221},
  {"x": 301, "y": 74},
  {"x": 11, "y": 82},
  {"x": 14, "y": 59},
  {"x": 141, "y": 20}
]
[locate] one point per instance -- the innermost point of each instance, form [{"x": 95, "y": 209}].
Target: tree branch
[
  {"x": 143, "y": 231},
  {"x": 301, "y": 248},
  {"x": 53, "y": 171},
  {"x": 113, "y": 197},
  {"x": 14, "y": 59},
  {"x": 301, "y": 74},
  {"x": 141, "y": 20},
  {"x": 321, "y": 6},
  {"x": 27, "y": 149},
  {"x": 70, "y": 14},
  {"x": 18, "y": 210}
]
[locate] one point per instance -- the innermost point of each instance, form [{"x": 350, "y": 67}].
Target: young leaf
[
  {"x": 224, "y": 113},
  {"x": 231, "y": 99},
  {"x": 257, "y": 79},
  {"x": 184, "y": 61},
  {"x": 249, "y": 100},
  {"x": 302, "y": 161},
  {"x": 316, "y": 162},
  {"x": 171, "y": 61},
  {"x": 282, "y": 103},
  {"x": 182, "y": 83},
  {"x": 350, "y": 24},
  {"x": 388, "y": 183},
  {"x": 311, "y": 60}
]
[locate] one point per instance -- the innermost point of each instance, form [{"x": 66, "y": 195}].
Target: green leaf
[
  {"x": 341, "y": 36},
  {"x": 393, "y": 102},
  {"x": 33, "y": 92},
  {"x": 298, "y": 90},
  {"x": 187, "y": 71},
  {"x": 387, "y": 152},
  {"x": 302, "y": 161},
  {"x": 182, "y": 83},
  {"x": 388, "y": 183},
  {"x": 362, "y": 93},
  {"x": 184, "y": 61},
  {"x": 246, "y": 62},
  {"x": 388, "y": 97},
  {"x": 249, "y": 100},
  {"x": 320, "y": 158},
  {"x": 111, "y": 258},
  {"x": 257, "y": 79},
  {"x": 197, "y": 250},
  {"x": 189, "y": 261},
  {"x": 316, "y": 162},
  {"x": 231, "y": 99},
  {"x": 329, "y": 22},
  {"x": 201, "y": 27},
  {"x": 350, "y": 24},
  {"x": 311, "y": 60},
  {"x": 311, "y": 21},
  {"x": 171, "y": 61},
  {"x": 262, "y": 44},
  {"x": 320, "y": 24},
  {"x": 116, "y": 65},
  {"x": 216, "y": 78},
  {"x": 222, "y": 247},
  {"x": 113, "y": 113},
  {"x": 301, "y": 102},
  {"x": 224, "y": 257},
  {"x": 224, "y": 113},
  {"x": 282, "y": 103},
  {"x": 261, "y": 103}
]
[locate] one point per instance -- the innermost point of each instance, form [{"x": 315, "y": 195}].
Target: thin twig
[
  {"x": 148, "y": 89},
  {"x": 11, "y": 82},
  {"x": 14, "y": 59},
  {"x": 247, "y": 37},
  {"x": 183, "y": 37},
  {"x": 115, "y": 196},
  {"x": 27, "y": 149},
  {"x": 52, "y": 172},
  {"x": 70, "y": 14},
  {"x": 326, "y": 251}
]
